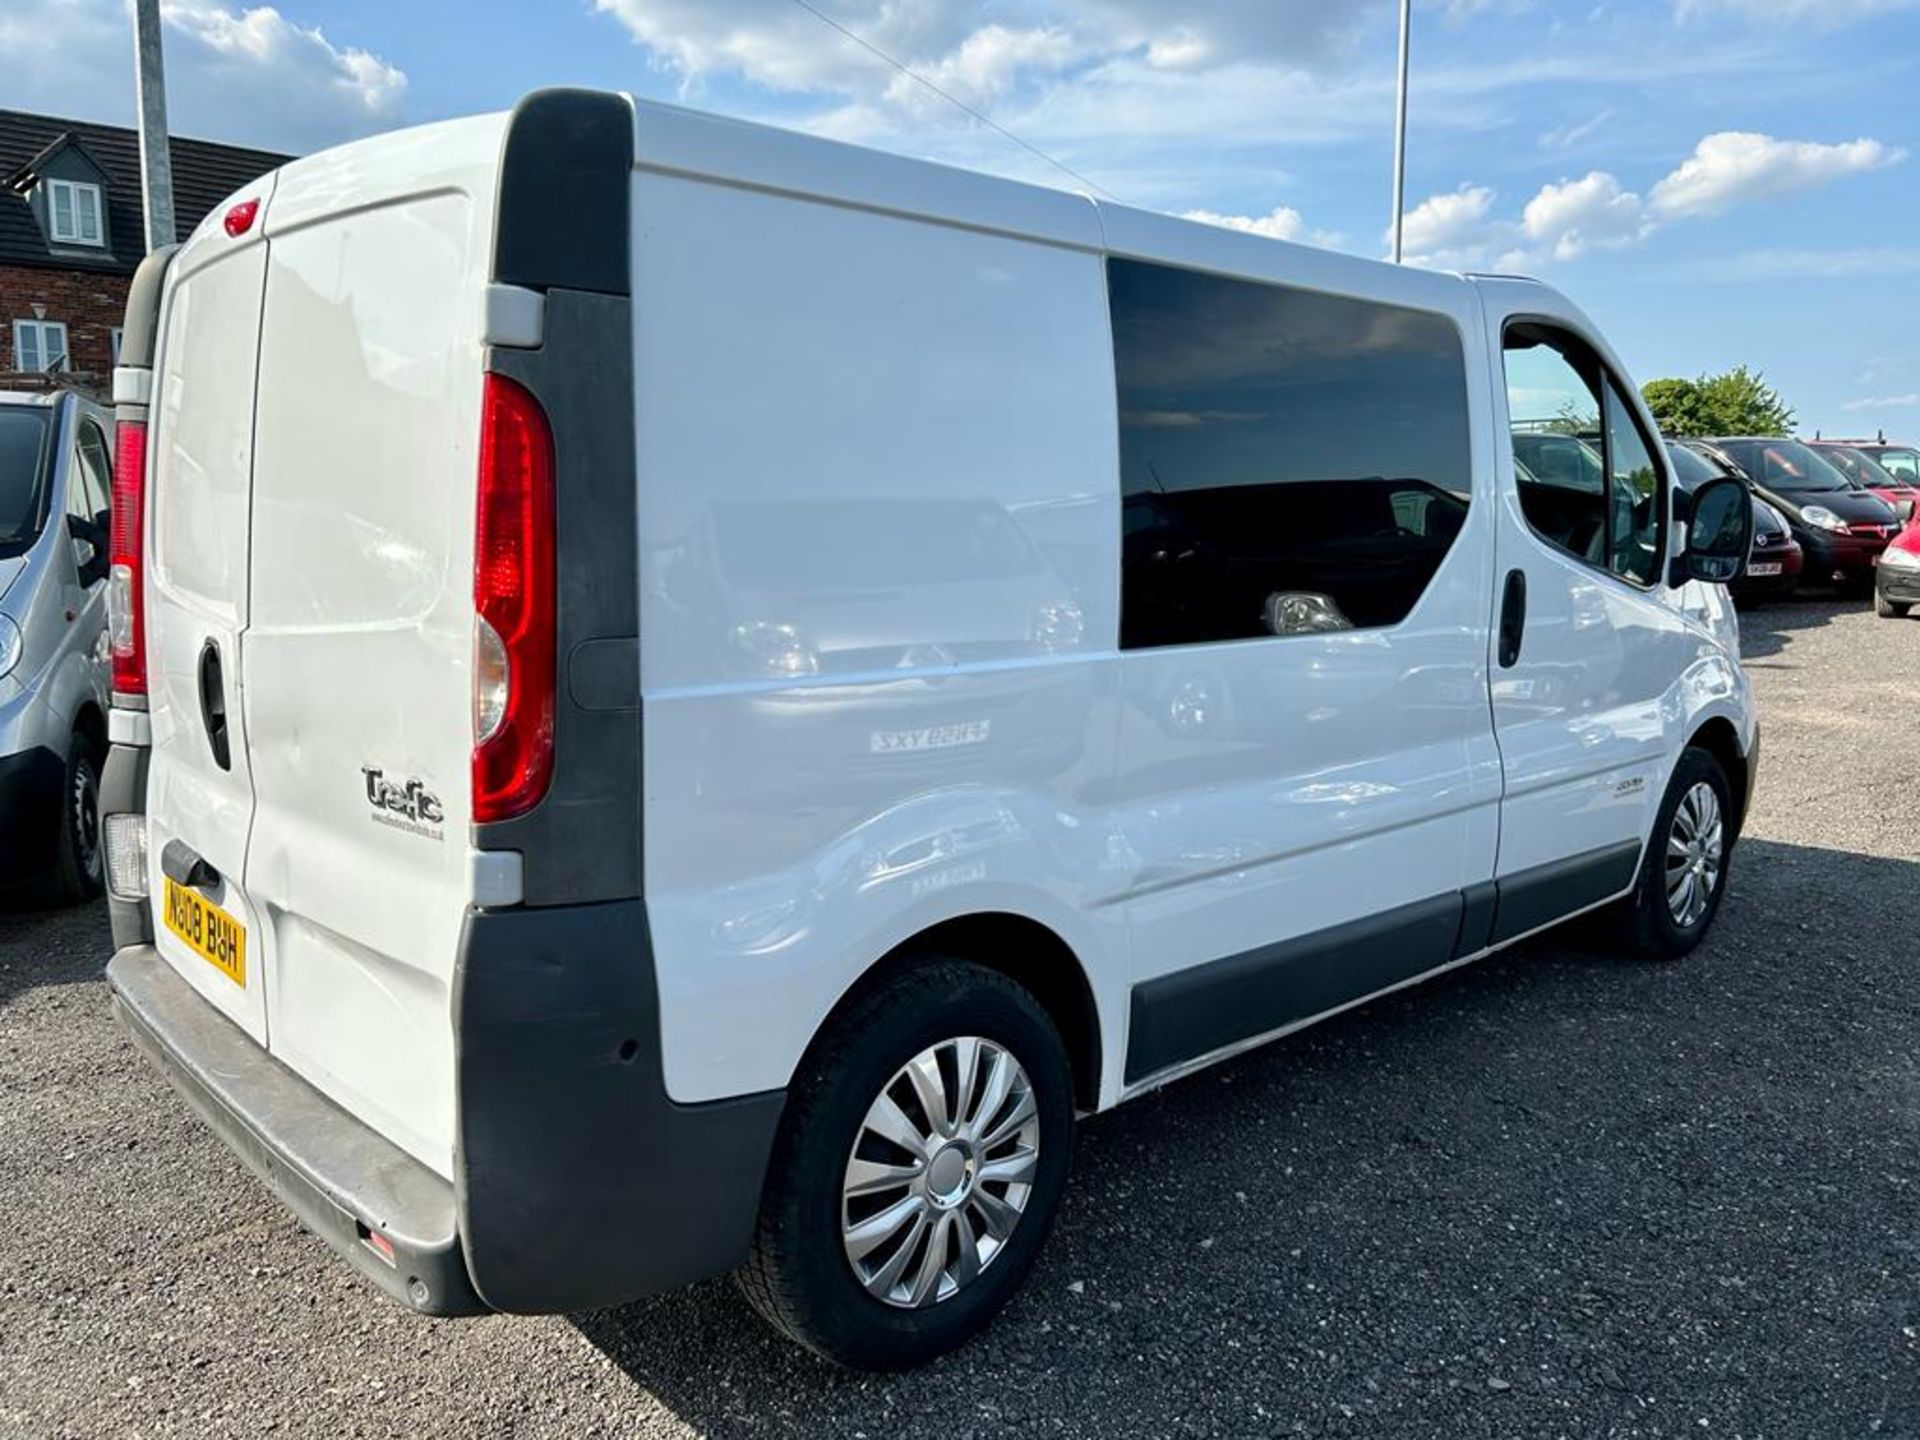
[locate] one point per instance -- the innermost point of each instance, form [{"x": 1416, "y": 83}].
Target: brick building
[{"x": 72, "y": 230}]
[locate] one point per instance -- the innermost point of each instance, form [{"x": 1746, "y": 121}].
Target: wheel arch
[
  {"x": 1718, "y": 737},
  {"x": 1025, "y": 950}
]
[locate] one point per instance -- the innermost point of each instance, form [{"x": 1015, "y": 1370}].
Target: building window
[
  {"x": 73, "y": 213},
  {"x": 1291, "y": 462},
  {"x": 113, "y": 340},
  {"x": 39, "y": 345}
]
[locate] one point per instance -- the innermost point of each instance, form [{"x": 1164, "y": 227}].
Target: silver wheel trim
[
  {"x": 940, "y": 1172},
  {"x": 1696, "y": 845}
]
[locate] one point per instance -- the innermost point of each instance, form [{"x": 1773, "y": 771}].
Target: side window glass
[
  {"x": 1587, "y": 477},
  {"x": 89, "y": 493},
  {"x": 1290, "y": 461},
  {"x": 1553, "y": 404},
  {"x": 1633, "y": 495}
]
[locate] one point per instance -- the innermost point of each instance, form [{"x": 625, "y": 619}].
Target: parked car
[
  {"x": 1870, "y": 475},
  {"x": 1841, "y": 528},
  {"x": 55, "y": 466},
  {"x": 789, "y": 672},
  {"x": 1900, "y": 461},
  {"x": 1896, "y": 585},
  {"x": 1775, "y": 560}
]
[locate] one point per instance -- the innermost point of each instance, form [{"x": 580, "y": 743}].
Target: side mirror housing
[{"x": 1719, "y": 534}]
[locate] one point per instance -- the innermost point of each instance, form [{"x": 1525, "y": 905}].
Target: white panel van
[{"x": 688, "y": 695}]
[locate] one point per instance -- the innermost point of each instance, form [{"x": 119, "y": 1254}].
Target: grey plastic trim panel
[
  {"x": 1532, "y": 899},
  {"x": 581, "y": 1183},
  {"x": 1196, "y": 1011},
  {"x": 582, "y": 842},
  {"x": 1210, "y": 1009},
  {"x": 566, "y": 171},
  {"x": 338, "y": 1176},
  {"x": 141, "y": 326}
]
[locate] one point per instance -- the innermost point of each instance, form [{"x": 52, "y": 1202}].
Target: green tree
[
  {"x": 1736, "y": 402},
  {"x": 1740, "y": 402},
  {"x": 1675, "y": 405}
]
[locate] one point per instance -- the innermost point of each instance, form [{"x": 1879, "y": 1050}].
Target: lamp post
[
  {"x": 1400, "y": 133},
  {"x": 156, "y": 159}
]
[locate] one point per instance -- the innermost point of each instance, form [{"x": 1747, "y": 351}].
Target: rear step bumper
[
  {"x": 580, "y": 1182},
  {"x": 338, "y": 1176}
]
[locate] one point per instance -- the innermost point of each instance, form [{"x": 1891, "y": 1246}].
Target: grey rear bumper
[
  {"x": 338, "y": 1176},
  {"x": 579, "y": 1182}
]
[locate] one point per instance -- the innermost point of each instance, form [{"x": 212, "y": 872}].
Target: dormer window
[{"x": 73, "y": 213}]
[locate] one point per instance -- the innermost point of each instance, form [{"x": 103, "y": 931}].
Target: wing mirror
[{"x": 1719, "y": 534}]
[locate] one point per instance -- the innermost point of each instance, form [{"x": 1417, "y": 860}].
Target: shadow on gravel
[
  {"x": 1768, "y": 629},
  {"x": 1545, "y": 1192},
  {"x": 51, "y": 947}
]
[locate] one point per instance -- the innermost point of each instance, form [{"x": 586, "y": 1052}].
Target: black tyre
[
  {"x": 1888, "y": 609},
  {"x": 1684, "y": 872},
  {"x": 78, "y": 857},
  {"x": 917, "y": 1170}
]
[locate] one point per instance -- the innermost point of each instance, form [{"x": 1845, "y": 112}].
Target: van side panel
[
  {"x": 359, "y": 656},
  {"x": 879, "y": 543}
]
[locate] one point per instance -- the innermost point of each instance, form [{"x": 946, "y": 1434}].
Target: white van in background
[{"x": 687, "y": 694}]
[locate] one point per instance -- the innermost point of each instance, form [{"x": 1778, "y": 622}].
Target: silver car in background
[{"x": 56, "y": 467}]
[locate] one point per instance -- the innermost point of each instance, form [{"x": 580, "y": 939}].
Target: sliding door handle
[{"x": 1513, "y": 618}]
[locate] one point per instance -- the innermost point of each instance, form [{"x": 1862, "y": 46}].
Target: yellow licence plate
[{"x": 214, "y": 935}]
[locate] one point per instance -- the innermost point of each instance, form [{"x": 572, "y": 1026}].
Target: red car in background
[
  {"x": 1896, "y": 580},
  {"x": 1901, "y": 461},
  {"x": 1869, "y": 474}
]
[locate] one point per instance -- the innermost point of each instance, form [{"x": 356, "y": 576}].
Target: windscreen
[
  {"x": 1789, "y": 465},
  {"x": 1691, "y": 468},
  {"x": 23, "y": 477}
]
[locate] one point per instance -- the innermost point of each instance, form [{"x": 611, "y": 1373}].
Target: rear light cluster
[
  {"x": 514, "y": 605},
  {"x": 126, "y": 627}
]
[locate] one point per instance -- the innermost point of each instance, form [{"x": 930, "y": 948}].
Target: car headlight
[
  {"x": 10, "y": 646},
  {"x": 1900, "y": 559},
  {"x": 1821, "y": 518}
]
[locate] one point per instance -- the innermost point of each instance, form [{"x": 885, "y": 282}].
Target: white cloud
[
  {"x": 1734, "y": 166},
  {"x": 1454, "y": 230},
  {"x": 1283, "y": 222},
  {"x": 1573, "y": 215},
  {"x": 1564, "y": 219},
  {"x": 986, "y": 63},
  {"x": 1883, "y": 402},
  {"x": 250, "y": 75},
  {"x": 1565, "y": 137}
]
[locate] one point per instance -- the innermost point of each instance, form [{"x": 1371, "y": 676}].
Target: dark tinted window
[
  {"x": 23, "y": 468},
  {"x": 1290, "y": 461}
]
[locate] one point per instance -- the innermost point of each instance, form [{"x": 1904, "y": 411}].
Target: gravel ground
[{"x": 1553, "y": 1194}]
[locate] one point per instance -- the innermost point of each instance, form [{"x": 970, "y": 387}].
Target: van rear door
[
  {"x": 359, "y": 655},
  {"x": 200, "y": 785}
]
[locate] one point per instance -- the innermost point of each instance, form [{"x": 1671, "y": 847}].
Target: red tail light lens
[
  {"x": 513, "y": 602},
  {"x": 126, "y": 627}
]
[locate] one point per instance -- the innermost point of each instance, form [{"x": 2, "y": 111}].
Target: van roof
[{"x": 695, "y": 144}]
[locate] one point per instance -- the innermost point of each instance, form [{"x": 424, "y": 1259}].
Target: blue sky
[{"x": 1717, "y": 181}]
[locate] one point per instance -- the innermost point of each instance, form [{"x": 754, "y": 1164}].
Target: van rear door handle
[
  {"x": 1513, "y": 618},
  {"x": 182, "y": 864},
  {"x": 213, "y": 704}
]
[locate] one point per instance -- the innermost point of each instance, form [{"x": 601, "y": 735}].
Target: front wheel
[
  {"x": 918, "y": 1168},
  {"x": 1888, "y": 609},
  {"x": 1684, "y": 872}
]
